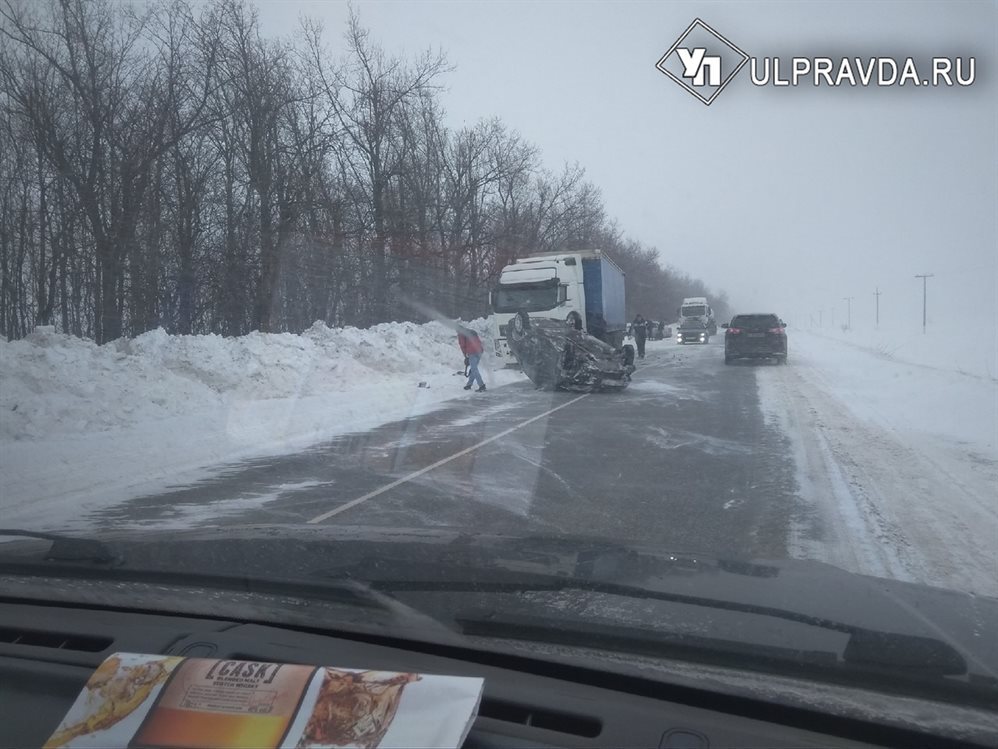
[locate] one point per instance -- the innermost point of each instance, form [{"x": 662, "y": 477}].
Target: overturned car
[{"x": 556, "y": 355}]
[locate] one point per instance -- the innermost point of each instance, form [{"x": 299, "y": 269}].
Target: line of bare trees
[{"x": 166, "y": 166}]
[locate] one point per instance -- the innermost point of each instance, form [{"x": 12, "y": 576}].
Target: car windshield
[
  {"x": 532, "y": 299},
  {"x": 238, "y": 240}
]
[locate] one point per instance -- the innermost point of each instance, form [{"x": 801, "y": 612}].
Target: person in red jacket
[{"x": 472, "y": 348}]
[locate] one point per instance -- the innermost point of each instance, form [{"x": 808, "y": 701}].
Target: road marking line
[{"x": 427, "y": 469}]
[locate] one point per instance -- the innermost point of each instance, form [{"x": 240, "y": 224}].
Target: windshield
[
  {"x": 535, "y": 298},
  {"x": 238, "y": 241}
]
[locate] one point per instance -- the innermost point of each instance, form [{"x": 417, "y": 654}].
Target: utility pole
[
  {"x": 877, "y": 295},
  {"x": 848, "y": 301},
  {"x": 924, "y": 277}
]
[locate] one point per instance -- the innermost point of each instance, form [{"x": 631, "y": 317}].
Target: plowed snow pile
[{"x": 83, "y": 425}]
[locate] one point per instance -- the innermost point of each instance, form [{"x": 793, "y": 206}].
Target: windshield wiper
[
  {"x": 311, "y": 587},
  {"x": 865, "y": 642},
  {"x": 911, "y": 654},
  {"x": 68, "y": 548},
  {"x": 910, "y": 664}
]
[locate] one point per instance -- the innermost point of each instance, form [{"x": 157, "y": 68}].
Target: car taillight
[
  {"x": 736, "y": 331},
  {"x": 778, "y": 331}
]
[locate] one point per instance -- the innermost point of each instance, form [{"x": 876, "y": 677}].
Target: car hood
[{"x": 515, "y": 580}]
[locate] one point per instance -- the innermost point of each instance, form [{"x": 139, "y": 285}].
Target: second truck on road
[{"x": 696, "y": 310}]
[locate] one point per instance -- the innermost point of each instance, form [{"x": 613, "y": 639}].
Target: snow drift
[{"x": 103, "y": 422}]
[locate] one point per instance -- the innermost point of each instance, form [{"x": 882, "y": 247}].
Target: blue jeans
[{"x": 473, "y": 374}]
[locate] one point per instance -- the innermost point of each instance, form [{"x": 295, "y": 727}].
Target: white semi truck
[
  {"x": 584, "y": 288},
  {"x": 697, "y": 308}
]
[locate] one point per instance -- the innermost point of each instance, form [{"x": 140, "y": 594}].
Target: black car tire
[{"x": 519, "y": 326}]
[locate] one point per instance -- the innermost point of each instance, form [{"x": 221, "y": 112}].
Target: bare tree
[
  {"x": 372, "y": 95},
  {"x": 184, "y": 170},
  {"x": 101, "y": 91}
]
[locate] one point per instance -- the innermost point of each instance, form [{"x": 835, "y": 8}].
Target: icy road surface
[{"x": 842, "y": 456}]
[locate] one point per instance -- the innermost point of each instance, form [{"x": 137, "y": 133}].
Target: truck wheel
[{"x": 519, "y": 326}]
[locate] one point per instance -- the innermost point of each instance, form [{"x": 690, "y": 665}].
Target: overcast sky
[{"x": 790, "y": 199}]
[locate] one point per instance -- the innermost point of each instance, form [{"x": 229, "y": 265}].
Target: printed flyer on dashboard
[{"x": 146, "y": 701}]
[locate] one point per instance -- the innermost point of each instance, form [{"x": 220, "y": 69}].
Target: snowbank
[
  {"x": 101, "y": 423},
  {"x": 960, "y": 348},
  {"x": 907, "y": 386},
  {"x": 897, "y": 462}
]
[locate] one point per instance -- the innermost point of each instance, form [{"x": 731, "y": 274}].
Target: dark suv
[{"x": 755, "y": 336}]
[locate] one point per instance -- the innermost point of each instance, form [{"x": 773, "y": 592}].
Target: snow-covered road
[
  {"x": 896, "y": 464},
  {"x": 852, "y": 454}
]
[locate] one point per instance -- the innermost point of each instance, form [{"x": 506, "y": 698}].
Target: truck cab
[
  {"x": 575, "y": 287},
  {"x": 697, "y": 309}
]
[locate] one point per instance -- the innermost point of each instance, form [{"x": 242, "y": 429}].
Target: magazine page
[{"x": 145, "y": 701}]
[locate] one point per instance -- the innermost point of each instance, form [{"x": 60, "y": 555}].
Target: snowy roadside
[
  {"x": 963, "y": 350},
  {"x": 86, "y": 426},
  {"x": 897, "y": 463}
]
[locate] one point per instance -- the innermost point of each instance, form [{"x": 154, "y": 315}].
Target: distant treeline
[{"x": 166, "y": 166}]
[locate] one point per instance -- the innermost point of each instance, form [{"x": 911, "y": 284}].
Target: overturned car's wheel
[{"x": 519, "y": 326}]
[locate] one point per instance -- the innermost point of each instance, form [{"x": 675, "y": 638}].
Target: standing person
[
  {"x": 472, "y": 348},
  {"x": 640, "y": 329},
  {"x": 628, "y": 347},
  {"x": 661, "y": 329}
]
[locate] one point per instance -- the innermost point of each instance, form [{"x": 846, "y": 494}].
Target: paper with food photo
[
  {"x": 154, "y": 701},
  {"x": 110, "y": 703},
  {"x": 367, "y": 709}
]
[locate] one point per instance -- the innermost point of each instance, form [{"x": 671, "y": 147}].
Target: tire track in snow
[
  {"x": 832, "y": 522},
  {"x": 871, "y": 502}
]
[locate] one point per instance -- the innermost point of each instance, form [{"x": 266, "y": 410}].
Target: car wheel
[{"x": 519, "y": 326}]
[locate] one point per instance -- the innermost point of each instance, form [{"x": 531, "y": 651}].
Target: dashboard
[{"x": 47, "y": 653}]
